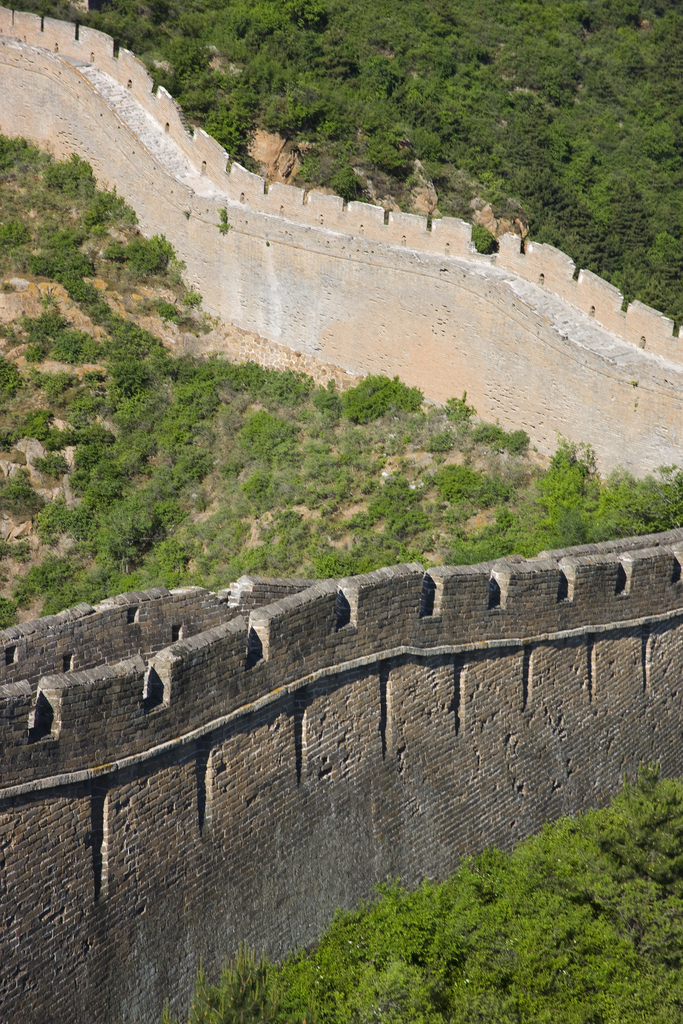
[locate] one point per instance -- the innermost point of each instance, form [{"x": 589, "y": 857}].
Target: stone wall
[
  {"x": 248, "y": 778},
  {"x": 137, "y": 623},
  {"x": 533, "y": 346}
]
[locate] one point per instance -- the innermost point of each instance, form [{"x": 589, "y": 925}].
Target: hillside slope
[{"x": 125, "y": 464}]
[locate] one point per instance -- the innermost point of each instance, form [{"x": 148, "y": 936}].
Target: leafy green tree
[
  {"x": 377, "y": 395},
  {"x": 246, "y": 993}
]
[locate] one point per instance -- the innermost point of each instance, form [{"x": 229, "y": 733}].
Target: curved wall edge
[{"x": 533, "y": 347}]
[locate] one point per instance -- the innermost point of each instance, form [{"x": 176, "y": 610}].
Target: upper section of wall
[
  {"x": 138, "y": 623},
  {"x": 539, "y": 264},
  {"x": 81, "y": 719}
]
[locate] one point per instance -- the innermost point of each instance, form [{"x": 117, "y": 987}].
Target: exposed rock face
[
  {"x": 423, "y": 193},
  {"x": 279, "y": 158},
  {"x": 511, "y": 222}
]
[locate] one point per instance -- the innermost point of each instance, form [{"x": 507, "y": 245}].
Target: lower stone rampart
[
  {"x": 244, "y": 781},
  {"x": 532, "y": 346}
]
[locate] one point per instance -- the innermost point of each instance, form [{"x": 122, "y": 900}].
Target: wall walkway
[{"x": 533, "y": 346}]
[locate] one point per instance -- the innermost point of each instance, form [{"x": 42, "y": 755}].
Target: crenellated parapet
[
  {"x": 300, "y": 741},
  {"x": 137, "y": 623},
  {"x": 348, "y": 286},
  {"x": 144, "y": 669},
  {"x": 227, "y": 182},
  {"x": 181, "y": 769}
]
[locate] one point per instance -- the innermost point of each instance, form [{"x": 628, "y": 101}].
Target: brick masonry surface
[
  {"x": 311, "y": 282},
  {"x": 184, "y": 770}
]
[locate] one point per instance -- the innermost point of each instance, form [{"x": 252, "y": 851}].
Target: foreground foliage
[
  {"x": 190, "y": 470},
  {"x": 582, "y": 923}
]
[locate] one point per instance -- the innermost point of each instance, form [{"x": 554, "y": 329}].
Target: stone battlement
[
  {"x": 92, "y": 685},
  {"x": 182, "y": 770},
  {"x": 346, "y": 286},
  {"x": 217, "y": 767},
  {"x": 138, "y": 623},
  {"x": 448, "y": 236}
]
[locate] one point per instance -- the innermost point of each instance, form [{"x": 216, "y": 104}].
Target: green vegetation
[
  {"x": 376, "y": 396},
  {"x": 571, "y": 109},
  {"x": 245, "y": 994},
  {"x": 189, "y": 470},
  {"x": 582, "y": 923}
]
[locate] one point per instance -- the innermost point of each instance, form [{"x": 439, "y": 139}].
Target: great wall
[
  {"x": 534, "y": 345},
  {"x": 183, "y": 770}
]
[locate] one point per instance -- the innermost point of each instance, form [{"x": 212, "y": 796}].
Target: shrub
[
  {"x": 484, "y": 241},
  {"x": 257, "y": 488},
  {"x": 61, "y": 259},
  {"x": 167, "y": 311},
  {"x": 268, "y": 438},
  {"x": 115, "y": 252},
  {"x": 335, "y": 564},
  {"x": 42, "y": 330},
  {"x": 17, "y": 496},
  {"x": 10, "y": 378},
  {"x": 53, "y": 578},
  {"x": 55, "y": 384},
  {"x": 18, "y": 154},
  {"x": 454, "y": 483},
  {"x": 58, "y": 439},
  {"x": 286, "y": 387},
  {"x": 73, "y": 177},
  {"x": 387, "y": 149},
  {"x": 126, "y": 532},
  {"x": 149, "y": 255},
  {"x": 53, "y": 464},
  {"x": 458, "y": 411},
  {"x": 75, "y": 347},
  {"x": 130, "y": 379},
  {"x": 377, "y": 395},
  {"x": 56, "y": 519},
  {"x": 13, "y": 234},
  {"x": 399, "y": 506},
  {"x": 8, "y": 613},
  {"x": 36, "y": 424},
  {"x": 168, "y": 562},
  {"x": 107, "y": 207},
  {"x": 498, "y": 440},
  {"x": 328, "y": 401},
  {"x": 346, "y": 184},
  {"x": 246, "y": 993},
  {"x": 444, "y": 441}
]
